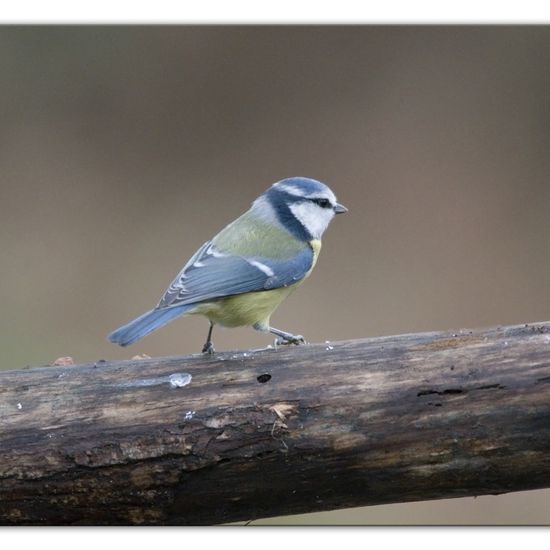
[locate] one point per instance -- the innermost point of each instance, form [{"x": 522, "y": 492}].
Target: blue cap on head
[{"x": 302, "y": 187}]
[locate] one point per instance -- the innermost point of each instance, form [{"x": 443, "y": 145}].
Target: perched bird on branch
[{"x": 242, "y": 275}]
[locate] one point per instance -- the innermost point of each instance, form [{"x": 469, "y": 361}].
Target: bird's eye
[{"x": 323, "y": 203}]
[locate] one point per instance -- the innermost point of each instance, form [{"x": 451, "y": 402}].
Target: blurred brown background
[{"x": 122, "y": 149}]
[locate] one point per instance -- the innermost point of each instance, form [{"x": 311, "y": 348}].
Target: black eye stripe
[{"x": 323, "y": 203}]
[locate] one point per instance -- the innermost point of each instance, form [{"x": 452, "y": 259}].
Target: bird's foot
[
  {"x": 208, "y": 348},
  {"x": 296, "y": 339}
]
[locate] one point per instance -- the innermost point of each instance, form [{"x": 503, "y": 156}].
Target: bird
[{"x": 239, "y": 277}]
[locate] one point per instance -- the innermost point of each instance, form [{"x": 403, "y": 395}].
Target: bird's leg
[
  {"x": 208, "y": 346},
  {"x": 285, "y": 338}
]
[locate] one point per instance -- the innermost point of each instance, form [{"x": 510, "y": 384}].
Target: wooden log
[{"x": 242, "y": 435}]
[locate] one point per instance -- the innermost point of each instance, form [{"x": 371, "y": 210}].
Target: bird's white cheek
[{"x": 314, "y": 218}]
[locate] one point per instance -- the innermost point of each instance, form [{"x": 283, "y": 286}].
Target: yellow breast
[
  {"x": 245, "y": 309},
  {"x": 316, "y": 247}
]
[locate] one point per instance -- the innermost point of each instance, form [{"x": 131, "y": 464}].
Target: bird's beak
[{"x": 340, "y": 209}]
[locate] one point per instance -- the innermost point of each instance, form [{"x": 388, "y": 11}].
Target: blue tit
[{"x": 242, "y": 275}]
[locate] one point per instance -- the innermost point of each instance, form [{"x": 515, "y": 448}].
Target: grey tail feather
[{"x": 146, "y": 323}]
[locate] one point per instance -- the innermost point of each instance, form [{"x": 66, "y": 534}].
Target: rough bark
[{"x": 265, "y": 433}]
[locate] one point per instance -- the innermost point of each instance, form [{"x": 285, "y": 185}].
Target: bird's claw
[
  {"x": 208, "y": 348},
  {"x": 295, "y": 339}
]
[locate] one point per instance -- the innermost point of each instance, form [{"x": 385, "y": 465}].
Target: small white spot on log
[
  {"x": 179, "y": 379},
  {"x": 189, "y": 415},
  {"x": 282, "y": 410},
  {"x": 19, "y": 406},
  {"x": 217, "y": 422},
  {"x": 176, "y": 380}
]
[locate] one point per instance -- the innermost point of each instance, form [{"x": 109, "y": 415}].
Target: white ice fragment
[
  {"x": 328, "y": 348},
  {"x": 179, "y": 379},
  {"x": 176, "y": 380}
]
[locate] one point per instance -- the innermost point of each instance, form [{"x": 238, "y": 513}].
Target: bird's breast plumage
[{"x": 315, "y": 245}]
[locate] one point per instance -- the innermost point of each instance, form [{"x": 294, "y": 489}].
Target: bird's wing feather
[{"x": 211, "y": 274}]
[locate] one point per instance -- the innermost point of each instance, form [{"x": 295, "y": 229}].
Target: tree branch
[{"x": 244, "y": 435}]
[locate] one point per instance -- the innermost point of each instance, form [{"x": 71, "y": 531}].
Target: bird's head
[{"x": 304, "y": 206}]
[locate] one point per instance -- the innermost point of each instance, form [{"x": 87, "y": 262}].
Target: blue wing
[{"x": 211, "y": 273}]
